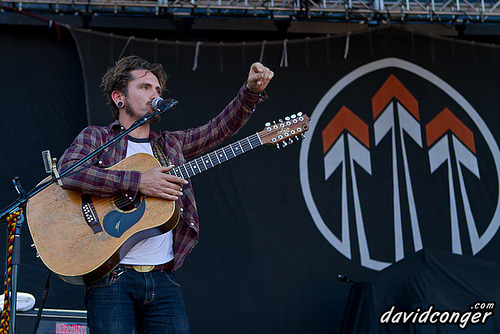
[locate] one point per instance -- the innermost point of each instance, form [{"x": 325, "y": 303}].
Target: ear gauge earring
[{"x": 120, "y": 104}]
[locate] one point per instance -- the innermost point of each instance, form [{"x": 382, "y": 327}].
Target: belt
[{"x": 147, "y": 268}]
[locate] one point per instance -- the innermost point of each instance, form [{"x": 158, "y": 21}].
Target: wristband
[{"x": 252, "y": 92}]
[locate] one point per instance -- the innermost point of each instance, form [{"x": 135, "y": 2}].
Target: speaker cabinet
[{"x": 53, "y": 321}]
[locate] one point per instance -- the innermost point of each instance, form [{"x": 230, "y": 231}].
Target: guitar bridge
[{"x": 90, "y": 214}]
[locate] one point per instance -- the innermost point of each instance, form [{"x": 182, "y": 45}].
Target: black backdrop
[
  {"x": 261, "y": 264},
  {"x": 43, "y": 106}
]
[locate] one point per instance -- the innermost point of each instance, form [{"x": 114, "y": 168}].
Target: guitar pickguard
[{"x": 116, "y": 223}]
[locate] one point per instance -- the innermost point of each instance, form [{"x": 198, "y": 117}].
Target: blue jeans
[{"x": 150, "y": 302}]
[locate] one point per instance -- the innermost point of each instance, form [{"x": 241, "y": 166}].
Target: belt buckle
[{"x": 143, "y": 269}]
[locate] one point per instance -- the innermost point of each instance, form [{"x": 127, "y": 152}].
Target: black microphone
[{"x": 163, "y": 105}]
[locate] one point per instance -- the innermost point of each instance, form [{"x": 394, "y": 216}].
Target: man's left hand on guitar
[{"x": 157, "y": 182}]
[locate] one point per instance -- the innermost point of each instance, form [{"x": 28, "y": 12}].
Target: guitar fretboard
[{"x": 212, "y": 159}]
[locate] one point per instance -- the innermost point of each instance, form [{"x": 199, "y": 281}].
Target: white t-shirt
[{"x": 155, "y": 250}]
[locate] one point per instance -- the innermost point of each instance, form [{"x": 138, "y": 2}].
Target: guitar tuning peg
[
  {"x": 287, "y": 118},
  {"x": 303, "y": 136},
  {"x": 280, "y": 120},
  {"x": 284, "y": 144},
  {"x": 293, "y": 116},
  {"x": 299, "y": 113},
  {"x": 290, "y": 141},
  {"x": 267, "y": 124},
  {"x": 278, "y": 146}
]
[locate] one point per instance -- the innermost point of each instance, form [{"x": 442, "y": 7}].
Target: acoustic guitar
[{"x": 82, "y": 238}]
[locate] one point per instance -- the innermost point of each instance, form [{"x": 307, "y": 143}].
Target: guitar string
[{"x": 226, "y": 153}]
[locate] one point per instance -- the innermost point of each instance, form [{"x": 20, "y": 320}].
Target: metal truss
[{"x": 369, "y": 11}]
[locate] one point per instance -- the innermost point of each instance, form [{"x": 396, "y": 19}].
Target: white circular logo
[{"x": 393, "y": 169}]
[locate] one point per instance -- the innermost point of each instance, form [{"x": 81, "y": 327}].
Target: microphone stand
[{"x": 24, "y": 197}]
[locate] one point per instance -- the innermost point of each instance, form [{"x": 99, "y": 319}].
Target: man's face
[{"x": 141, "y": 91}]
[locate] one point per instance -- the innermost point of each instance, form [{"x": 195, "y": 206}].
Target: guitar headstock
[{"x": 283, "y": 131}]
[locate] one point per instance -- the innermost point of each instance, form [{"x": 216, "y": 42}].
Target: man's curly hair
[{"x": 118, "y": 77}]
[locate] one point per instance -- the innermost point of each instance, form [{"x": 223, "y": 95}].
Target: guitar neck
[{"x": 212, "y": 159}]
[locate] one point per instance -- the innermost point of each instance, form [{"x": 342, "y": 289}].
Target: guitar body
[{"x": 83, "y": 238}]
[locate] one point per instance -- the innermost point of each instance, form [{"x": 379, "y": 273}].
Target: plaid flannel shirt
[{"x": 179, "y": 146}]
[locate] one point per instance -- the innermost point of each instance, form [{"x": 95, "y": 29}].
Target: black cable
[{"x": 40, "y": 309}]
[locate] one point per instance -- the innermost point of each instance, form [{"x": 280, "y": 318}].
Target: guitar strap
[
  {"x": 160, "y": 154},
  {"x": 161, "y": 157}
]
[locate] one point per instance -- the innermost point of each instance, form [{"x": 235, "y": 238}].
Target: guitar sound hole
[{"x": 126, "y": 204}]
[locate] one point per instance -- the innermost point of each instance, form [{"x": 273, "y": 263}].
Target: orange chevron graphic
[
  {"x": 345, "y": 120},
  {"x": 447, "y": 121},
  {"x": 393, "y": 88}
]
